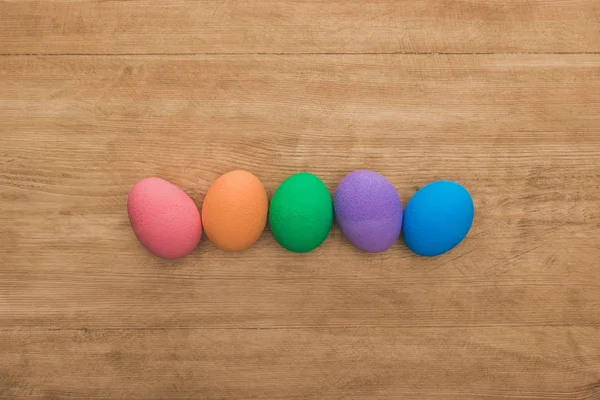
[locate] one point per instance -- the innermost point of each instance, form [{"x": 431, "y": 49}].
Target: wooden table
[{"x": 502, "y": 96}]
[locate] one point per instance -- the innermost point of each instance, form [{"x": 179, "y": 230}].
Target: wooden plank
[
  {"x": 291, "y": 26},
  {"x": 373, "y": 363},
  {"x": 520, "y": 131}
]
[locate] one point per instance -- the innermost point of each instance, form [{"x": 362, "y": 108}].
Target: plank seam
[
  {"x": 289, "y": 54},
  {"x": 300, "y": 327}
]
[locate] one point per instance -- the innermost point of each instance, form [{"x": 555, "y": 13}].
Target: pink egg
[{"x": 164, "y": 218}]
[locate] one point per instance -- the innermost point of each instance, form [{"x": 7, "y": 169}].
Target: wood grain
[
  {"x": 291, "y": 26},
  {"x": 95, "y": 95},
  {"x": 519, "y": 131},
  {"x": 363, "y": 363}
]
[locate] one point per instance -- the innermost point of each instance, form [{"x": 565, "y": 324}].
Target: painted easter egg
[
  {"x": 368, "y": 210},
  {"x": 234, "y": 212},
  {"x": 164, "y": 218},
  {"x": 301, "y": 213},
  {"x": 437, "y": 218}
]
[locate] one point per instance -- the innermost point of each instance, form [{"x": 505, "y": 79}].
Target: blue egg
[{"x": 437, "y": 218}]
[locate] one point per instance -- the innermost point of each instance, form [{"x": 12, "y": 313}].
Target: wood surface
[
  {"x": 298, "y": 26},
  {"x": 95, "y": 95}
]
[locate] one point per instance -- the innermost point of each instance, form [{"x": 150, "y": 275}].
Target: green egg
[{"x": 301, "y": 213}]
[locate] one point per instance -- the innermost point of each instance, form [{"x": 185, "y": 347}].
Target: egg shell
[
  {"x": 437, "y": 218},
  {"x": 368, "y": 210},
  {"x": 164, "y": 218},
  {"x": 301, "y": 213},
  {"x": 234, "y": 212}
]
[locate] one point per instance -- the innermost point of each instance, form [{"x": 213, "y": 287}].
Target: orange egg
[{"x": 234, "y": 212}]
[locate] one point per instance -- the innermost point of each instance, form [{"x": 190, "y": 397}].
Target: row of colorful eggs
[{"x": 235, "y": 210}]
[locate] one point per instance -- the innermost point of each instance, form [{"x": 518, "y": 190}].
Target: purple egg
[{"x": 368, "y": 210}]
